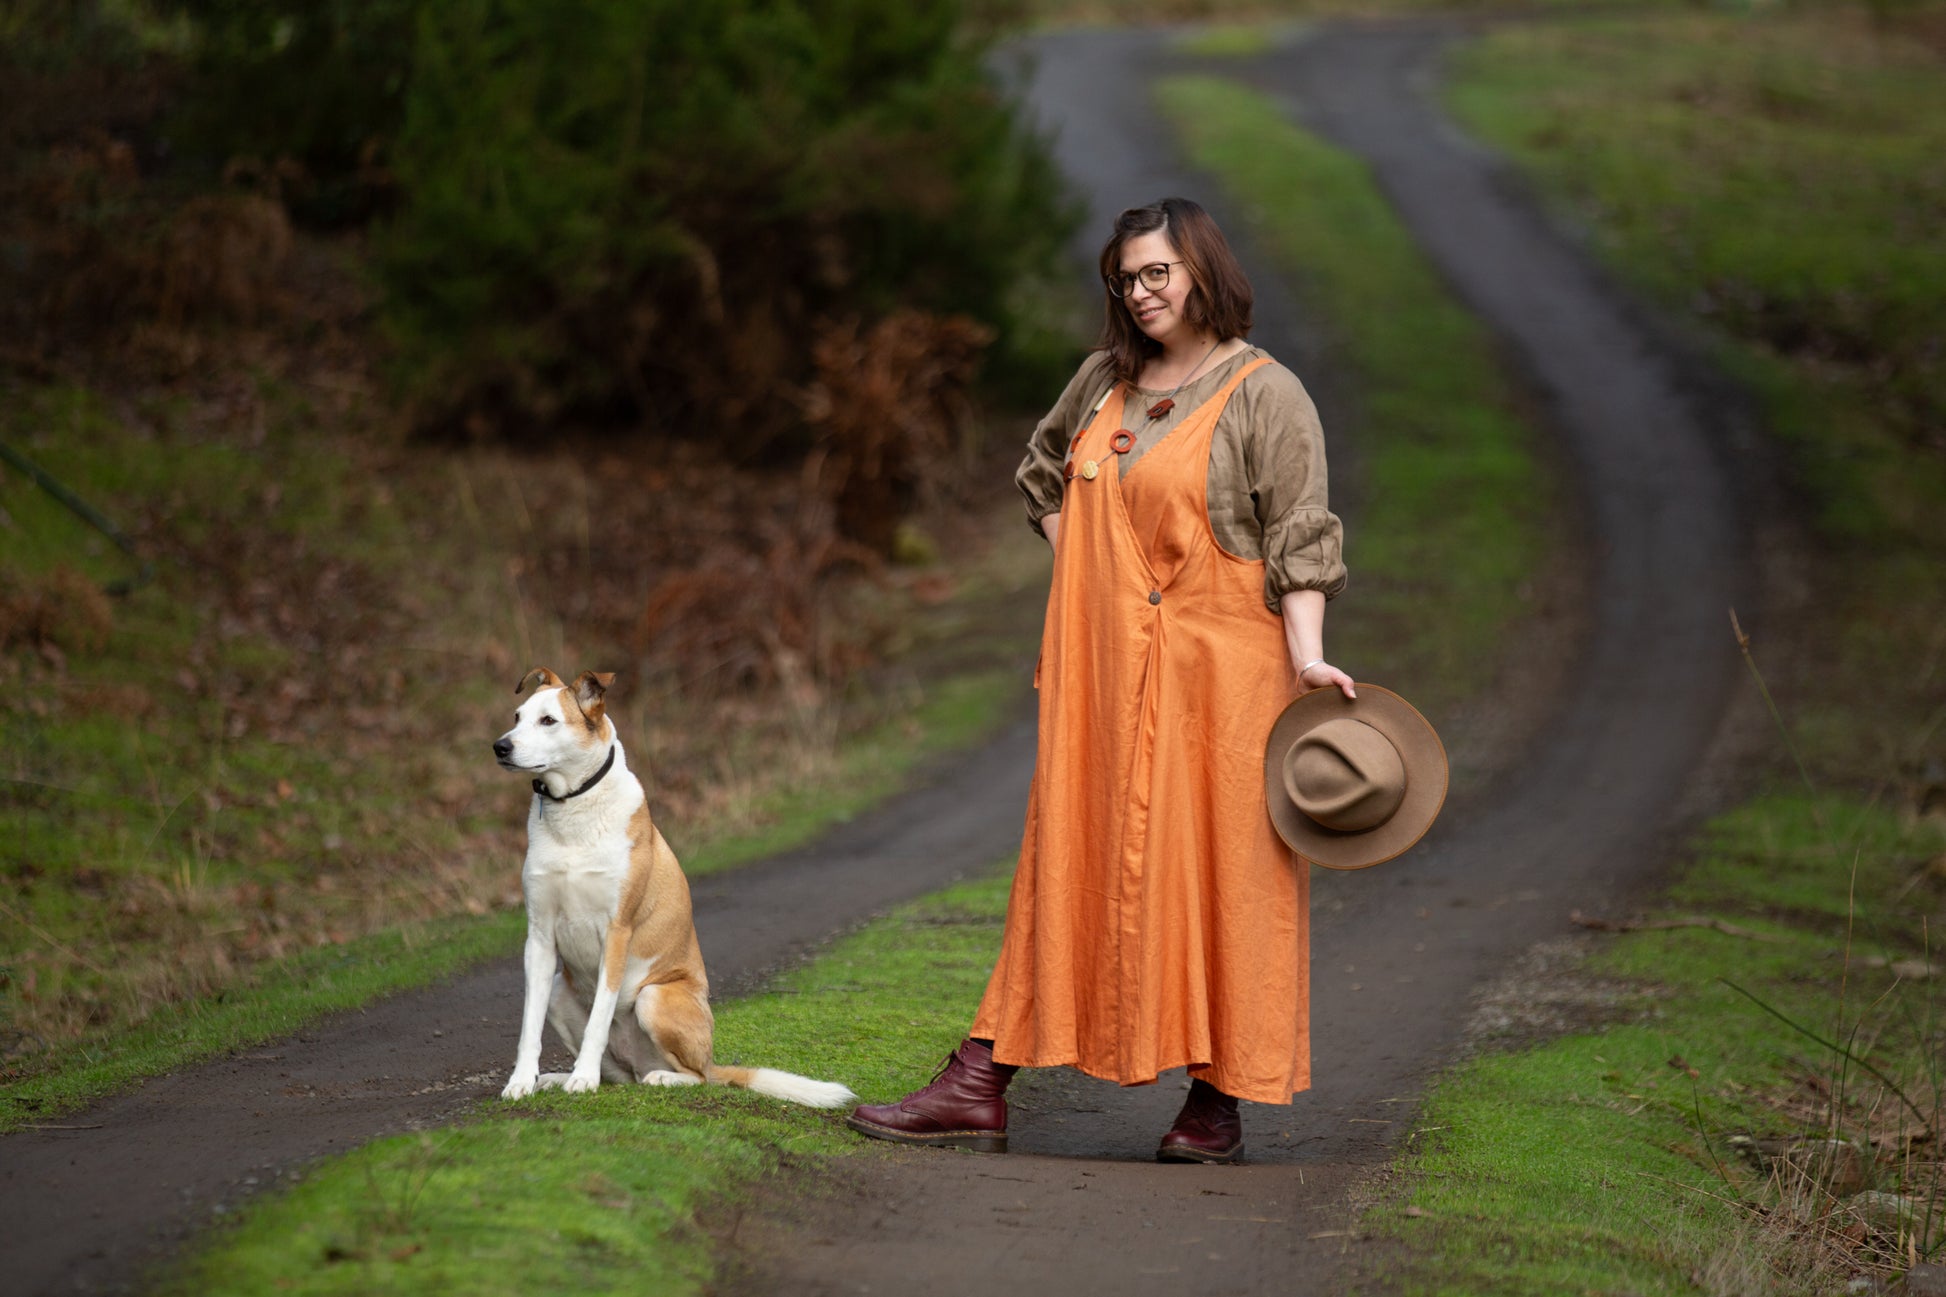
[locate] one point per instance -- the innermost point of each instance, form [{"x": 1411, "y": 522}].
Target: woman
[{"x": 1156, "y": 918}]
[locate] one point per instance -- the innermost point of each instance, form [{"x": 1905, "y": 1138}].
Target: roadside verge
[{"x": 1749, "y": 1096}]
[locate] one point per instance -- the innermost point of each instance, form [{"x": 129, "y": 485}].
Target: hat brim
[{"x": 1419, "y": 748}]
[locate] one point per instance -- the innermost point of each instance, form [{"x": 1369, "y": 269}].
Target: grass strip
[
  {"x": 1228, "y": 40},
  {"x": 1608, "y": 1161},
  {"x": 614, "y": 1191},
  {"x": 1456, "y": 507}
]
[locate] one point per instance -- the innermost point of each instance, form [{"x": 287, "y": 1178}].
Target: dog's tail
[{"x": 787, "y": 1086}]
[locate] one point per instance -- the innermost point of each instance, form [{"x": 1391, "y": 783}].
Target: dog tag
[{"x": 1089, "y": 468}]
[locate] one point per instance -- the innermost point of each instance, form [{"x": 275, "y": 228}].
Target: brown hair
[{"x": 1219, "y": 300}]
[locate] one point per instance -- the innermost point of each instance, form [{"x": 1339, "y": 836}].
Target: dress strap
[{"x": 1236, "y": 379}]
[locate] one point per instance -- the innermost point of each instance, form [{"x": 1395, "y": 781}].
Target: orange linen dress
[{"x": 1156, "y": 918}]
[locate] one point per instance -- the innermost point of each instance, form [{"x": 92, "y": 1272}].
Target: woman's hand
[
  {"x": 1322, "y": 675},
  {"x": 1304, "y": 637}
]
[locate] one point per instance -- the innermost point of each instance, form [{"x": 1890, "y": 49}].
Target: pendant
[
  {"x": 1162, "y": 407},
  {"x": 1089, "y": 468}
]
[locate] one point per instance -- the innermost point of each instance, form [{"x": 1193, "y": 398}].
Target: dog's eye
[{"x": 547, "y": 720}]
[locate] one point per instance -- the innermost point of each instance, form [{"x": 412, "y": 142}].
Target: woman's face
[{"x": 1157, "y": 311}]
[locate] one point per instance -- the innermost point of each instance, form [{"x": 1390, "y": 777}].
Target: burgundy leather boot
[
  {"x": 963, "y": 1107},
  {"x": 1207, "y": 1129}
]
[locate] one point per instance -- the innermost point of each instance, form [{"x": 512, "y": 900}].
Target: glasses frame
[{"x": 1121, "y": 284}]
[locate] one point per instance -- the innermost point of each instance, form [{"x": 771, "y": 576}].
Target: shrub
[{"x": 650, "y": 210}]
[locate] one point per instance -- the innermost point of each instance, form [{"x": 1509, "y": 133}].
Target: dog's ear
[
  {"x": 589, "y": 687},
  {"x": 548, "y": 678}
]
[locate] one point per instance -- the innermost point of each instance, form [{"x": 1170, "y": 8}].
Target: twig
[
  {"x": 1777, "y": 717},
  {"x": 1660, "y": 925}
]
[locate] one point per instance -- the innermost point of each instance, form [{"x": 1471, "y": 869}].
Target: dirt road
[
  {"x": 1582, "y": 822},
  {"x": 1078, "y": 1207}
]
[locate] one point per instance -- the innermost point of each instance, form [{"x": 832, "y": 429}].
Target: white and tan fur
[{"x": 611, "y": 959}]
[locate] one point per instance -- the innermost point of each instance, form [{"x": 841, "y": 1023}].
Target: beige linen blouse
[{"x": 1267, "y": 490}]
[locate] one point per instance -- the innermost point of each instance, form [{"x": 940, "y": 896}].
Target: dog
[{"x": 611, "y": 960}]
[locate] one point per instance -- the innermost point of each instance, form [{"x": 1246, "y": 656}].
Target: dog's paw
[
  {"x": 520, "y": 1086},
  {"x": 580, "y": 1082},
  {"x": 670, "y": 1078}
]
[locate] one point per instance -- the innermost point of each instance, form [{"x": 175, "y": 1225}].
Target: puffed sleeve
[
  {"x": 1283, "y": 451},
  {"x": 1039, "y": 474}
]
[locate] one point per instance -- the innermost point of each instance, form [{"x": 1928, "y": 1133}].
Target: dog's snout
[{"x": 503, "y": 748}]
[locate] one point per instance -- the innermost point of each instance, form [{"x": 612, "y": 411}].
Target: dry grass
[{"x": 1874, "y": 1198}]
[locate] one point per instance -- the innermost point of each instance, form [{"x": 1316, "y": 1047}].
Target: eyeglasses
[{"x": 1154, "y": 277}]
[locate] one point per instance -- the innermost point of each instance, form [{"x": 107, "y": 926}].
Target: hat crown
[{"x": 1345, "y": 775}]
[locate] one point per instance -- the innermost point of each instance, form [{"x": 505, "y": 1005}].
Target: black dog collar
[{"x": 593, "y": 779}]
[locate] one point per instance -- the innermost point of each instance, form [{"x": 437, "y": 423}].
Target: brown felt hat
[{"x": 1351, "y": 782}]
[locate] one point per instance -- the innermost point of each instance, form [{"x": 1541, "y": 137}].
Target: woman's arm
[
  {"x": 1051, "y": 528},
  {"x": 1304, "y": 635}
]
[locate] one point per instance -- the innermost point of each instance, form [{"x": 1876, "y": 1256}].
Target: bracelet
[{"x": 1308, "y": 665}]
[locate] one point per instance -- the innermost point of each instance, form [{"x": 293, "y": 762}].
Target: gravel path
[
  {"x": 1397, "y": 952},
  {"x": 1582, "y": 822}
]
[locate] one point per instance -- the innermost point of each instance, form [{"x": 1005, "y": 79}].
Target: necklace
[{"x": 1168, "y": 402}]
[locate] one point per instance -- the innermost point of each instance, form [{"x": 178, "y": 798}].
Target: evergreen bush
[{"x": 651, "y": 210}]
